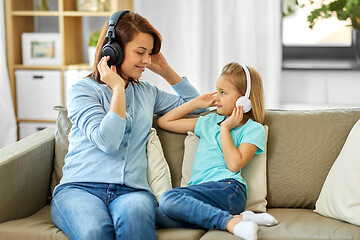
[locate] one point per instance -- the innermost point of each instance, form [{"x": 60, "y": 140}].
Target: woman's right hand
[{"x": 110, "y": 76}]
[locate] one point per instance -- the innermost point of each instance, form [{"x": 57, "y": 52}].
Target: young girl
[
  {"x": 217, "y": 193},
  {"x": 104, "y": 192}
]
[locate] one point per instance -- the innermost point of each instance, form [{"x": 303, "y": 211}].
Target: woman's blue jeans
[
  {"x": 208, "y": 205},
  {"x": 104, "y": 211}
]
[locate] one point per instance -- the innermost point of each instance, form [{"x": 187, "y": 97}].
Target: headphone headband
[
  {"x": 248, "y": 81},
  {"x": 113, "y": 21}
]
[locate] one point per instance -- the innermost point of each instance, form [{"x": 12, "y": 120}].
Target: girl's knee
[
  {"x": 168, "y": 196},
  {"x": 167, "y": 200}
]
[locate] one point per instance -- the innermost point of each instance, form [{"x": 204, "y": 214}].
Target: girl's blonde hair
[{"x": 236, "y": 75}]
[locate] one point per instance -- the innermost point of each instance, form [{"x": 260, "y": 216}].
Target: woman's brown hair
[
  {"x": 127, "y": 28},
  {"x": 237, "y": 76}
]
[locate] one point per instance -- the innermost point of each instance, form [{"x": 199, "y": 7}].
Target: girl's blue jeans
[
  {"x": 104, "y": 211},
  {"x": 208, "y": 205}
]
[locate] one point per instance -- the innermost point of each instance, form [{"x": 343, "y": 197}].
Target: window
[{"x": 330, "y": 39}]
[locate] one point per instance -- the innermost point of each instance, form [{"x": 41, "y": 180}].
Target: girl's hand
[
  {"x": 235, "y": 119},
  {"x": 109, "y": 76},
  {"x": 158, "y": 64},
  {"x": 206, "y": 100}
]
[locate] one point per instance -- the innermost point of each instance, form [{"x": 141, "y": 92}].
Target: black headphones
[{"x": 113, "y": 48}]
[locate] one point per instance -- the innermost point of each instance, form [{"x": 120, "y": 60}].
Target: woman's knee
[
  {"x": 76, "y": 228},
  {"x": 134, "y": 205},
  {"x": 81, "y": 215}
]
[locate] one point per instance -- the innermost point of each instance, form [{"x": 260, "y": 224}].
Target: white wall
[{"x": 314, "y": 89}]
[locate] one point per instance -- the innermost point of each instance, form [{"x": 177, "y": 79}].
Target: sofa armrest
[{"x": 25, "y": 173}]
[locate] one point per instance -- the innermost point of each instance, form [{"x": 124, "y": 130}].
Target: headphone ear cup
[
  {"x": 245, "y": 102},
  {"x": 115, "y": 51}
]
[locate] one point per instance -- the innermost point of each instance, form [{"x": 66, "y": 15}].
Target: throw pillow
[
  {"x": 340, "y": 195},
  {"x": 158, "y": 172},
  {"x": 254, "y": 173},
  {"x": 62, "y": 130}
]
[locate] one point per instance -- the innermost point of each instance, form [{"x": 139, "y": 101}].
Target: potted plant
[
  {"x": 344, "y": 10},
  {"x": 93, "y": 39}
]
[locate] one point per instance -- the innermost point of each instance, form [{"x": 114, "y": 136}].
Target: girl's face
[
  {"x": 137, "y": 55},
  {"x": 226, "y": 96}
]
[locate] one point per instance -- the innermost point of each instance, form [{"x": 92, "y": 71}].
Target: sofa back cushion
[
  {"x": 173, "y": 147},
  {"x": 302, "y": 147}
]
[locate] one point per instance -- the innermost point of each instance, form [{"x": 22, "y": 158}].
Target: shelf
[
  {"x": 36, "y": 13},
  {"x": 38, "y": 67},
  {"x": 82, "y": 66},
  {"x": 86, "y": 14},
  {"x": 36, "y": 120},
  {"x": 57, "y": 14}
]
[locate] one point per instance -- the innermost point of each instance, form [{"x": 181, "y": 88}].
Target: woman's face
[{"x": 137, "y": 55}]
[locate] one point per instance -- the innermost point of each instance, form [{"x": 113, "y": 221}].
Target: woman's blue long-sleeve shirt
[{"x": 106, "y": 148}]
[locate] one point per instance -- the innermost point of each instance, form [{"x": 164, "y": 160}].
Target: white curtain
[
  {"x": 8, "y": 127},
  {"x": 201, "y": 36}
]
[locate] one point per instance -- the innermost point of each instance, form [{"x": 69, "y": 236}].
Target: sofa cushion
[
  {"x": 191, "y": 143},
  {"x": 25, "y": 171},
  {"x": 300, "y": 224},
  {"x": 179, "y": 233},
  {"x": 173, "y": 146},
  {"x": 158, "y": 172},
  {"x": 306, "y": 224},
  {"x": 35, "y": 227},
  {"x": 254, "y": 173},
  {"x": 62, "y": 130},
  {"x": 39, "y": 226},
  {"x": 340, "y": 196},
  {"x": 302, "y": 146}
]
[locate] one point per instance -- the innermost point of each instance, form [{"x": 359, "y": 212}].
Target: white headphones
[{"x": 244, "y": 100}]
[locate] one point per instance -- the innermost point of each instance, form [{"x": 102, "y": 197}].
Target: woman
[{"x": 104, "y": 193}]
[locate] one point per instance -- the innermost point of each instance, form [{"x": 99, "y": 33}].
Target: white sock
[
  {"x": 246, "y": 230},
  {"x": 261, "y": 219}
]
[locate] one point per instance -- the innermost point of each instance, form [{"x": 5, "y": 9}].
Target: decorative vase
[
  {"x": 355, "y": 41},
  {"x": 87, "y": 5}
]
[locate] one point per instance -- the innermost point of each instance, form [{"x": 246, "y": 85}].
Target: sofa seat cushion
[
  {"x": 179, "y": 234},
  {"x": 299, "y": 224},
  {"x": 40, "y": 227},
  {"x": 36, "y": 227},
  {"x": 306, "y": 224}
]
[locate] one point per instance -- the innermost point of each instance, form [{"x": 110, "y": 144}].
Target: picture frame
[{"x": 41, "y": 49}]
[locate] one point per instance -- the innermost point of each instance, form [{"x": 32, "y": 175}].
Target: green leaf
[{"x": 93, "y": 38}]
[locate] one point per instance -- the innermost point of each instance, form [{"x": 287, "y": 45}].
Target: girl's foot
[
  {"x": 244, "y": 229},
  {"x": 261, "y": 219}
]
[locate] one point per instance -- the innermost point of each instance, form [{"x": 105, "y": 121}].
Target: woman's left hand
[
  {"x": 235, "y": 119},
  {"x": 158, "y": 64}
]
